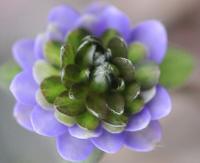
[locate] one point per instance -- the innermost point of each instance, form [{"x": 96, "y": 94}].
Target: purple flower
[{"x": 74, "y": 143}]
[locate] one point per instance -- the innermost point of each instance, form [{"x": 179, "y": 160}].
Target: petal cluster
[{"x": 37, "y": 114}]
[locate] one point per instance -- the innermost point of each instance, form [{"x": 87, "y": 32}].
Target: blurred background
[{"x": 181, "y": 143}]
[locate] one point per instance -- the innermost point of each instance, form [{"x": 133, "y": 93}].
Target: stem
[{"x": 95, "y": 157}]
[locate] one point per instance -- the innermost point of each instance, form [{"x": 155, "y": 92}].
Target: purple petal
[
  {"x": 80, "y": 133},
  {"x": 109, "y": 17},
  {"x": 96, "y": 7},
  {"x": 160, "y": 106},
  {"x": 22, "y": 114},
  {"x": 24, "y": 88},
  {"x": 44, "y": 123},
  {"x": 109, "y": 143},
  {"x": 24, "y": 54},
  {"x": 144, "y": 140},
  {"x": 73, "y": 149},
  {"x": 63, "y": 16},
  {"x": 154, "y": 36},
  {"x": 40, "y": 40},
  {"x": 139, "y": 121}
]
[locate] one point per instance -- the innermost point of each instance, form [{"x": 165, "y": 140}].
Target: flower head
[{"x": 90, "y": 80}]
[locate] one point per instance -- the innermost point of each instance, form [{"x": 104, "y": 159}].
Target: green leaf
[
  {"x": 147, "y": 74},
  {"x": 8, "y": 70},
  {"x": 51, "y": 87},
  {"x": 52, "y": 52},
  {"x": 118, "y": 47},
  {"x": 115, "y": 103},
  {"x": 69, "y": 106},
  {"x": 176, "y": 68},
  {"x": 88, "y": 121}
]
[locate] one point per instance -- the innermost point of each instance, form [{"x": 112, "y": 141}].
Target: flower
[{"x": 103, "y": 90}]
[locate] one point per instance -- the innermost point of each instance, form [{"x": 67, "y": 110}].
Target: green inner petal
[
  {"x": 43, "y": 70},
  {"x": 88, "y": 121},
  {"x": 135, "y": 106},
  {"x": 51, "y": 87},
  {"x": 52, "y": 52},
  {"x": 132, "y": 91},
  {"x": 108, "y": 35}
]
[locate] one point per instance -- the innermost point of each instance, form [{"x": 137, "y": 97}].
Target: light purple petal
[
  {"x": 96, "y": 7},
  {"x": 144, "y": 140},
  {"x": 109, "y": 143},
  {"x": 44, "y": 123},
  {"x": 63, "y": 16},
  {"x": 73, "y": 149},
  {"x": 109, "y": 17},
  {"x": 139, "y": 121},
  {"x": 80, "y": 133},
  {"x": 24, "y": 88},
  {"x": 24, "y": 54},
  {"x": 154, "y": 36},
  {"x": 160, "y": 106},
  {"x": 22, "y": 114},
  {"x": 40, "y": 41}
]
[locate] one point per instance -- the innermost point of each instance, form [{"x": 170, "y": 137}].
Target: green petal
[
  {"x": 67, "y": 55},
  {"x": 68, "y": 106},
  {"x": 112, "y": 129},
  {"x": 78, "y": 91},
  {"x": 147, "y": 95},
  {"x": 85, "y": 54},
  {"x": 73, "y": 74},
  {"x": 65, "y": 119},
  {"x": 107, "y": 36},
  {"x": 132, "y": 91},
  {"x": 75, "y": 37},
  {"x": 97, "y": 106},
  {"x": 137, "y": 52},
  {"x": 51, "y": 87},
  {"x": 87, "y": 121},
  {"x": 125, "y": 67},
  {"x": 115, "y": 103},
  {"x": 115, "y": 120},
  {"x": 147, "y": 74},
  {"x": 43, "y": 70},
  {"x": 135, "y": 106},
  {"x": 118, "y": 47},
  {"x": 52, "y": 52},
  {"x": 118, "y": 84}
]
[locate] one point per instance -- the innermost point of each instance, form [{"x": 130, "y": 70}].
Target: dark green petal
[
  {"x": 73, "y": 74},
  {"x": 75, "y": 37},
  {"x": 68, "y": 106},
  {"x": 118, "y": 47},
  {"x": 78, "y": 91},
  {"x": 125, "y": 67},
  {"x": 51, "y": 87},
  {"x": 107, "y": 36},
  {"x": 147, "y": 74},
  {"x": 97, "y": 106},
  {"x": 52, "y": 52},
  {"x": 116, "y": 120},
  {"x": 137, "y": 52},
  {"x": 118, "y": 84},
  {"x": 132, "y": 91},
  {"x": 115, "y": 103},
  {"x": 135, "y": 106},
  {"x": 67, "y": 55},
  {"x": 88, "y": 121}
]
